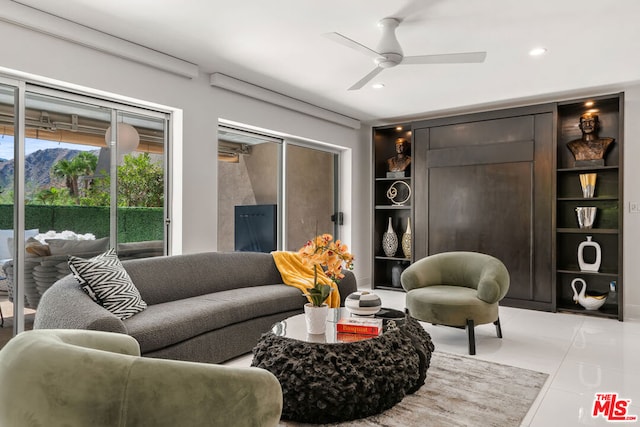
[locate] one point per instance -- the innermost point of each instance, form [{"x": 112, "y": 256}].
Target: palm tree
[
  {"x": 83, "y": 164},
  {"x": 86, "y": 164},
  {"x": 65, "y": 169}
]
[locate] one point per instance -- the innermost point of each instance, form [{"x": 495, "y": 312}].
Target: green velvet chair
[
  {"x": 77, "y": 378},
  {"x": 460, "y": 289}
]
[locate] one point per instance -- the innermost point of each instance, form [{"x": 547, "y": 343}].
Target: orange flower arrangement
[{"x": 323, "y": 252}]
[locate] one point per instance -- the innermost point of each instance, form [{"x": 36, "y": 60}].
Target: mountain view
[{"x": 37, "y": 168}]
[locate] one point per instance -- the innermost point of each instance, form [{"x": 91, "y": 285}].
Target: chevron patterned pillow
[{"x": 106, "y": 281}]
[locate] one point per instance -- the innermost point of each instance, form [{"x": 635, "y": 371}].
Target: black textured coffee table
[{"x": 332, "y": 381}]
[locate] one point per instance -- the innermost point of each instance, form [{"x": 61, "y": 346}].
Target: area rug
[{"x": 460, "y": 391}]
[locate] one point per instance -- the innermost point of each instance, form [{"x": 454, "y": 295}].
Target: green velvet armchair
[
  {"x": 460, "y": 289},
  {"x": 91, "y": 378}
]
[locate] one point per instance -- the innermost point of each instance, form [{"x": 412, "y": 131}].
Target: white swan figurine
[{"x": 590, "y": 300}]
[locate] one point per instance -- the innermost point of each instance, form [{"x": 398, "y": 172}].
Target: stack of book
[{"x": 356, "y": 329}]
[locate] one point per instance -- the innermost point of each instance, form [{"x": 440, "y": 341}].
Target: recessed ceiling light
[
  {"x": 377, "y": 85},
  {"x": 537, "y": 51},
  {"x": 588, "y": 104}
]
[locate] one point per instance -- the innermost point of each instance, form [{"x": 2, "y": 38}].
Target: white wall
[
  {"x": 52, "y": 60},
  {"x": 631, "y": 222}
]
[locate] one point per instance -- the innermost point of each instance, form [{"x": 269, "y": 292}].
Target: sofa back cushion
[
  {"x": 72, "y": 247},
  {"x": 163, "y": 279}
]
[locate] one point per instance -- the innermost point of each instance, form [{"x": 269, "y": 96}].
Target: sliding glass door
[
  {"x": 10, "y": 166},
  {"x": 310, "y": 183},
  {"x": 248, "y": 191},
  {"x": 273, "y": 193},
  {"x": 88, "y": 175}
]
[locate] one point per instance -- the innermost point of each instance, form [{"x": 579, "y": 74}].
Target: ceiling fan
[{"x": 389, "y": 53}]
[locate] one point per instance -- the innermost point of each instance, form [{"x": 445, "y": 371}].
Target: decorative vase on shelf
[
  {"x": 588, "y": 184},
  {"x": 586, "y": 216},
  {"x": 396, "y": 272},
  {"x": 586, "y": 266},
  {"x": 406, "y": 240},
  {"x": 389, "y": 241},
  {"x": 316, "y": 318},
  {"x": 590, "y": 300}
]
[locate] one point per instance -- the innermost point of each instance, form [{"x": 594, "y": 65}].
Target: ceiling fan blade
[
  {"x": 345, "y": 41},
  {"x": 446, "y": 58},
  {"x": 363, "y": 81}
]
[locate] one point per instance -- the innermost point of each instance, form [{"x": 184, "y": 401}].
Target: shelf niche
[
  {"x": 607, "y": 227},
  {"x": 386, "y": 269}
]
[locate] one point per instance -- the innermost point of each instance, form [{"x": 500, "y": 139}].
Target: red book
[
  {"x": 350, "y": 337},
  {"x": 353, "y": 325}
]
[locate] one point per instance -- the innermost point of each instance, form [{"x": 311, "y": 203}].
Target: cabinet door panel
[
  {"x": 483, "y": 132},
  {"x": 485, "y": 208}
]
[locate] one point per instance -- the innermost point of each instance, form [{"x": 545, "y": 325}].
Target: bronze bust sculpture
[
  {"x": 401, "y": 161},
  {"x": 590, "y": 149}
]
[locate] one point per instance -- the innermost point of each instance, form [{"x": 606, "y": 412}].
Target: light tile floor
[{"x": 583, "y": 355}]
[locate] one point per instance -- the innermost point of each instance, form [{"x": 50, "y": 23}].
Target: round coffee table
[{"x": 325, "y": 379}]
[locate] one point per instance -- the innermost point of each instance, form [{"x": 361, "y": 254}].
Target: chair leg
[
  {"x": 498, "y": 328},
  {"x": 472, "y": 337}
]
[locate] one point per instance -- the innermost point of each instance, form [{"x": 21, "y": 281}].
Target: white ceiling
[{"x": 279, "y": 45}]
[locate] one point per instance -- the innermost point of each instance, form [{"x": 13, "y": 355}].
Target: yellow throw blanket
[{"x": 296, "y": 274}]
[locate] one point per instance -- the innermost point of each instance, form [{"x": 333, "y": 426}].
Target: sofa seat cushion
[{"x": 165, "y": 324}]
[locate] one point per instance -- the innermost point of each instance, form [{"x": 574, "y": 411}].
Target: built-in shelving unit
[
  {"x": 505, "y": 182},
  {"x": 386, "y": 269},
  {"x": 607, "y": 199}
]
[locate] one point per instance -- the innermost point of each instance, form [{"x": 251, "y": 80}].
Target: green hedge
[{"x": 134, "y": 224}]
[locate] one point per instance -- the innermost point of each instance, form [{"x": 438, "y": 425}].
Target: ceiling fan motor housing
[
  {"x": 388, "y": 60},
  {"x": 389, "y": 47}
]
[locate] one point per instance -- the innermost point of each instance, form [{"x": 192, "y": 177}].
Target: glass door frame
[
  {"x": 117, "y": 109},
  {"x": 284, "y": 142},
  {"x": 18, "y": 195},
  {"x": 22, "y": 88},
  {"x": 337, "y": 158}
]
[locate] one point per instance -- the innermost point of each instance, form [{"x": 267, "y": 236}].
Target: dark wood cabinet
[
  {"x": 607, "y": 199},
  {"x": 505, "y": 183},
  {"x": 484, "y": 183}
]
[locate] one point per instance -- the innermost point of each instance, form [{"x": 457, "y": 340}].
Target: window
[
  {"x": 83, "y": 175},
  {"x": 273, "y": 193}
]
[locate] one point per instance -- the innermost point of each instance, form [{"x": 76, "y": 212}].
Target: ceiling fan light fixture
[
  {"x": 538, "y": 51},
  {"x": 378, "y": 85}
]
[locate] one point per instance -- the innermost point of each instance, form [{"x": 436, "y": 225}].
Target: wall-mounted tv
[{"x": 255, "y": 228}]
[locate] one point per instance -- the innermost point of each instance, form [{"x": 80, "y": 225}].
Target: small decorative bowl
[
  {"x": 363, "y": 303},
  {"x": 391, "y": 318}
]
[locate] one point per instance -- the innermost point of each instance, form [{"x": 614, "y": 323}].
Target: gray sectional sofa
[{"x": 205, "y": 307}]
